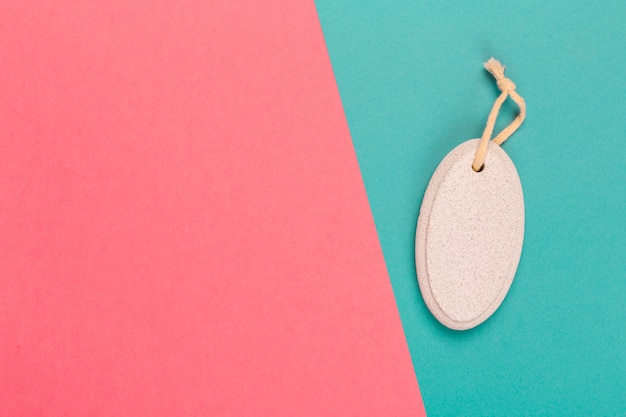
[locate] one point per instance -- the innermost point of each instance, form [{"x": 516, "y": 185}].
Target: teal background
[{"x": 412, "y": 85}]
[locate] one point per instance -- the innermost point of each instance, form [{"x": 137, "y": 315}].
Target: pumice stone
[
  {"x": 469, "y": 235},
  {"x": 470, "y": 228}
]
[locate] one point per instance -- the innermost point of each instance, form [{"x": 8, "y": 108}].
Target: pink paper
[{"x": 183, "y": 227}]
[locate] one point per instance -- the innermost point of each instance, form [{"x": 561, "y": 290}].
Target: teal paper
[{"x": 413, "y": 87}]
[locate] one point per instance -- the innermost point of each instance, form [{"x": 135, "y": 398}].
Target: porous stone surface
[{"x": 469, "y": 236}]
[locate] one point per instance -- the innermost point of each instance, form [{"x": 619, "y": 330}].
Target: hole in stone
[{"x": 479, "y": 169}]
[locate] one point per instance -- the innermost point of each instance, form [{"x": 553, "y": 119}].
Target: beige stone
[{"x": 469, "y": 236}]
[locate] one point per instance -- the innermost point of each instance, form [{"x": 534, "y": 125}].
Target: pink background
[{"x": 184, "y": 230}]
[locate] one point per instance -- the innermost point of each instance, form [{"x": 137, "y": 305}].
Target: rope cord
[{"x": 507, "y": 88}]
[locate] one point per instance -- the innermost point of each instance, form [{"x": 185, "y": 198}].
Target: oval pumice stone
[{"x": 469, "y": 236}]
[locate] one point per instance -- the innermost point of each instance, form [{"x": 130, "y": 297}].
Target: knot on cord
[
  {"x": 505, "y": 84},
  {"x": 497, "y": 70}
]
